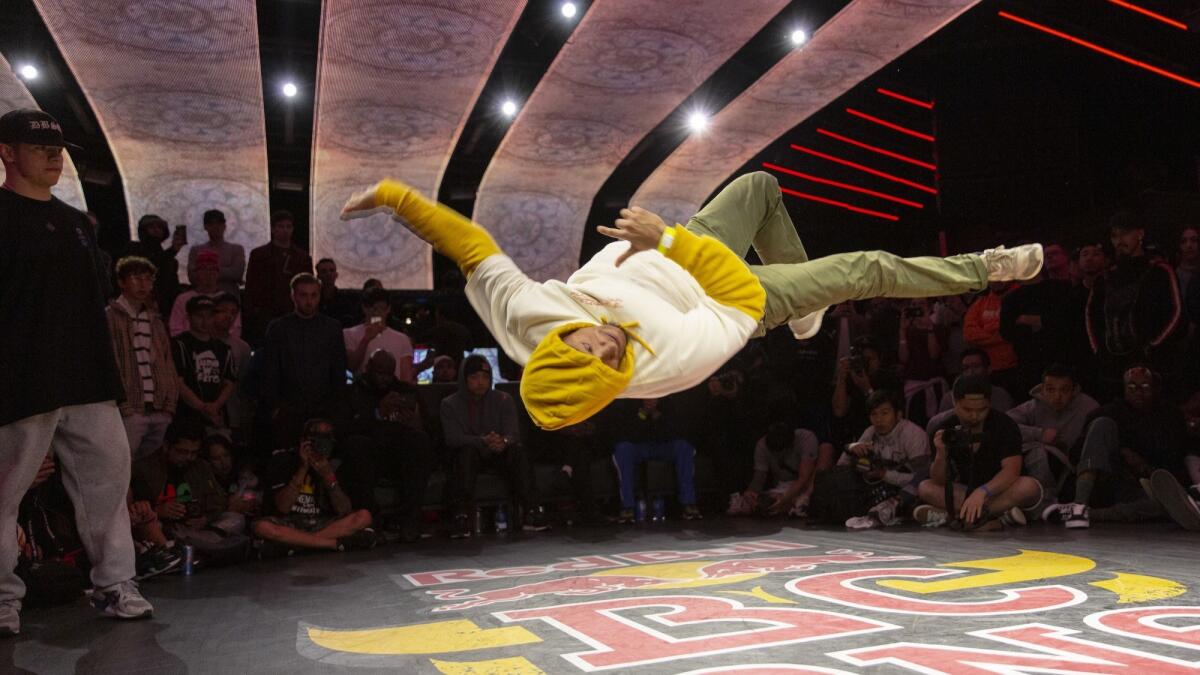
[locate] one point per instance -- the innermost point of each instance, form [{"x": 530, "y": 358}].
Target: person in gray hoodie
[
  {"x": 1051, "y": 423},
  {"x": 481, "y": 430}
]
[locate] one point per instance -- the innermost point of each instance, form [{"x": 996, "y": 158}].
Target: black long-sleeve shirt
[{"x": 304, "y": 361}]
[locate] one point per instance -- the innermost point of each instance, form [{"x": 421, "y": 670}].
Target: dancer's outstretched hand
[
  {"x": 641, "y": 228},
  {"x": 361, "y": 204}
]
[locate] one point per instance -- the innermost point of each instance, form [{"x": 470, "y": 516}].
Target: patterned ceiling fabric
[
  {"x": 858, "y": 41},
  {"x": 13, "y": 94},
  {"x": 396, "y": 82},
  {"x": 177, "y": 90},
  {"x": 628, "y": 65}
]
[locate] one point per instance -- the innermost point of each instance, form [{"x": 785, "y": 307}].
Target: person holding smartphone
[{"x": 374, "y": 334}]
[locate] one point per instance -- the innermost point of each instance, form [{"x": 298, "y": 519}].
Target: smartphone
[
  {"x": 376, "y": 319},
  {"x": 181, "y": 230}
]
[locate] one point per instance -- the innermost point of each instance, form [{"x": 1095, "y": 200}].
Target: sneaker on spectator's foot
[
  {"x": 690, "y": 512},
  {"x": 1013, "y": 517},
  {"x": 1077, "y": 518},
  {"x": 626, "y": 516},
  {"x": 362, "y": 540},
  {"x": 269, "y": 550},
  {"x": 807, "y": 325},
  {"x": 10, "y": 618},
  {"x": 1175, "y": 500},
  {"x": 1056, "y": 513},
  {"x": 867, "y": 522},
  {"x": 885, "y": 511},
  {"x": 929, "y": 515},
  {"x": 1013, "y": 264},
  {"x": 535, "y": 520},
  {"x": 156, "y": 560},
  {"x": 123, "y": 601},
  {"x": 461, "y": 528}
]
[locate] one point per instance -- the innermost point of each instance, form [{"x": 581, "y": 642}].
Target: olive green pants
[{"x": 750, "y": 212}]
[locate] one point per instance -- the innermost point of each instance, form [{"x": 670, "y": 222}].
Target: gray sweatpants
[{"x": 92, "y": 452}]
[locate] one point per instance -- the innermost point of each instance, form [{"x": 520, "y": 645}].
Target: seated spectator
[
  {"x": 189, "y": 503},
  {"x": 231, "y": 257},
  {"x": 975, "y": 361},
  {"x": 238, "y": 408},
  {"x": 50, "y": 557},
  {"x": 573, "y": 449},
  {"x": 976, "y": 468},
  {"x": 1041, "y": 318},
  {"x": 445, "y": 370},
  {"x": 239, "y": 484},
  {"x": 1051, "y": 423},
  {"x": 893, "y": 455},
  {"x": 269, "y": 276},
  {"x": 152, "y": 234},
  {"x": 143, "y": 353},
  {"x": 205, "y": 367},
  {"x": 388, "y": 442},
  {"x": 445, "y": 336},
  {"x": 785, "y": 463},
  {"x": 336, "y": 304},
  {"x": 311, "y": 511},
  {"x": 921, "y": 345},
  {"x": 857, "y": 375},
  {"x": 481, "y": 431},
  {"x": 304, "y": 362},
  {"x": 652, "y": 429},
  {"x": 373, "y": 334},
  {"x": 981, "y": 328},
  {"x": 1124, "y": 442},
  {"x": 204, "y": 282}
]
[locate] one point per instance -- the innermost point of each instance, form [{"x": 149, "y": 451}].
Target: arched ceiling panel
[
  {"x": 177, "y": 90},
  {"x": 627, "y": 66},
  {"x": 861, "y": 39},
  {"x": 396, "y": 82},
  {"x": 13, "y": 94}
]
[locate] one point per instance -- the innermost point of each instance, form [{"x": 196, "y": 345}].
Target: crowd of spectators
[{"x": 268, "y": 410}]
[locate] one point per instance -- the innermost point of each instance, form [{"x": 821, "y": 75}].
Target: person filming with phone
[{"x": 373, "y": 334}]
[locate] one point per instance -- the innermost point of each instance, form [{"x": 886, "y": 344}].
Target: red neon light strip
[
  {"x": 1153, "y": 15},
  {"x": 844, "y": 186},
  {"x": 881, "y": 151},
  {"x": 1107, "y": 52},
  {"x": 867, "y": 169},
  {"x": 928, "y": 105},
  {"x": 848, "y": 207},
  {"x": 890, "y": 125}
]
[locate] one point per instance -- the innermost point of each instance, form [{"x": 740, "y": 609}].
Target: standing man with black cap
[{"x": 60, "y": 382}]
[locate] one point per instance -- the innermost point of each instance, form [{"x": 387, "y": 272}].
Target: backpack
[{"x": 838, "y": 495}]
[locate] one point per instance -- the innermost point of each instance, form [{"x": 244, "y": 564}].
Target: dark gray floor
[{"x": 255, "y": 618}]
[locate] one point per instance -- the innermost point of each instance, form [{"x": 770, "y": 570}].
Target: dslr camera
[
  {"x": 958, "y": 439},
  {"x": 323, "y": 445}
]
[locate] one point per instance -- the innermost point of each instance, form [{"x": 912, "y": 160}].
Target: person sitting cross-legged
[
  {"x": 651, "y": 430},
  {"x": 977, "y": 463},
  {"x": 311, "y": 510}
]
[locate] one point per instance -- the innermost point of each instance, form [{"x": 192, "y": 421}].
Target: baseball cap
[
  {"x": 976, "y": 386},
  {"x": 28, "y": 125},
  {"x": 200, "y": 303}
]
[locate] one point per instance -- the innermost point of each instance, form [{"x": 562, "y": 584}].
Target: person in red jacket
[{"x": 981, "y": 328}]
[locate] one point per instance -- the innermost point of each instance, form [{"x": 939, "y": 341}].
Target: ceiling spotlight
[
  {"x": 569, "y": 10},
  {"x": 799, "y": 37},
  {"x": 508, "y": 108},
  {"x": 697, "y": 121},
  {"x": 28, "y": 72},
  {"x": 290, "y": 90}
]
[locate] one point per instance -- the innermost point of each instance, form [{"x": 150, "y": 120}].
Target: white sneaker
[
  {"x": 808, "y": 325},
  {"x": 1013, "y": 264},
  {"x": 1078, "y": 518},
  {"x": 866, "y": 522},
  {"x": 1013, "y": 517},
  {"x": 930, "y": 515},
  {"x": 1056, "y": 513},
  {"x": 122, "y": 601},
  {"x": 10, "y": 618}
]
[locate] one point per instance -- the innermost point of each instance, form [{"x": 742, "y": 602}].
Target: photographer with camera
[
  {"x": 892, "y": 456},
  {"x": 786, "y": 459},
  {"x": 976, "y": 466},
  {"x": 858, "y": 375},
  {"x": 312, "y": 510}
]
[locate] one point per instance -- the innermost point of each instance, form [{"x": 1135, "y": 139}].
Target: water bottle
[
  {"x": 640, "y": 513},
  {"x": 477, "y": 526},
  {"x": 189, "y": 559},
  {"x": 660, "y": 510},
  {"x": 501, "y": 519}
]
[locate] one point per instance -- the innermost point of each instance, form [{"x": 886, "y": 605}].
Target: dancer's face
[{"x": 606, "y": 343}]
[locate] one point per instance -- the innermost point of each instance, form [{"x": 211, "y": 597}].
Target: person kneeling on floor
[
  {"x": 976, "y": 470},
  {"x": 311, "y": 509},
  {"x": 786, "y": 459}
]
